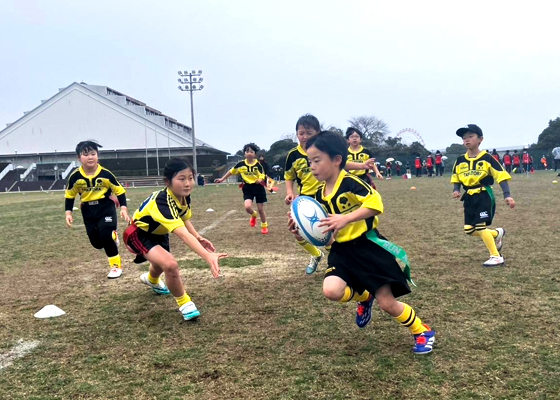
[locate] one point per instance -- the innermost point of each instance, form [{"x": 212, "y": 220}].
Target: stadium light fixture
[{"x": 190, "y": 86}]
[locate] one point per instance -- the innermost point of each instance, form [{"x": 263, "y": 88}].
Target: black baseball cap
[{"x": 469, "y": 128}]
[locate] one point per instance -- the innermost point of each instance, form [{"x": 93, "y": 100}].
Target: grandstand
[{"x": 37, "y": 150}]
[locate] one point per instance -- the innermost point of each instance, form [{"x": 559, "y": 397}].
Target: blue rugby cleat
[
  {"x": 363, "y": 312},
  {"x": 424, "y": 342}
]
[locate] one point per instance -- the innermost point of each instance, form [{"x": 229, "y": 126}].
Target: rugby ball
[{"x": 307, "y": 214}]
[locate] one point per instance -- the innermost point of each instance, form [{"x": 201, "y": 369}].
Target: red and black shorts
[{"x": 140, "y": 242}]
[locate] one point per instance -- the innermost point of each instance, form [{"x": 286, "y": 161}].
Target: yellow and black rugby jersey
[
  {"x": 349, "y": 194},
  {"x": 359, "y": 156},
  {"x": 162, "y": 213},
  {"x": 478, "y": 172},
  {"x": 94, "y": 187},
  {"x": 298, "y": 169},
  {"x": 249, "y": 172}
]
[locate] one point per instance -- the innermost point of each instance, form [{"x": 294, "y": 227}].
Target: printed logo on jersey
[
  {"x": 484, "y": 214},
  {"x": 344, "y": 204}
]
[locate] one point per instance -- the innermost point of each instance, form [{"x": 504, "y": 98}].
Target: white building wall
[{"x": 77, "y": 114}]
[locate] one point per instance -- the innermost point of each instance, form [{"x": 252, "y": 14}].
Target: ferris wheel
[{"x": 409, "y": 135}]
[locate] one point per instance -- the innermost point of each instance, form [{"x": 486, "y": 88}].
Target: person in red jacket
[
  {"x": 516, "y": 160},
  {"x": 439, "y": 163},
  {"x": 496, "y": 155},
  {"x": 507, "y": 161},
  {"x": 430, "y": 165},
  {"x": 526, "y": 161},
  {"x": 418, "y": 166}
]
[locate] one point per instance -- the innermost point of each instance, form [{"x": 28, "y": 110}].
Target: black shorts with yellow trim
[
  {"x": 254, "y": 191},
  {"x": 99, "y": 214},
  {"x": 140, "y": 242},
  {"x": 364, "y": 265},
  {"x": 479, "y": 208}
]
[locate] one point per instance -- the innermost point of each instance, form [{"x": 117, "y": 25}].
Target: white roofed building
[{"x": 127, "y": 128}]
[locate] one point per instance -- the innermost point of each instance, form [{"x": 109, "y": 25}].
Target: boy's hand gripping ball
[{"x": 307, "y": 214}]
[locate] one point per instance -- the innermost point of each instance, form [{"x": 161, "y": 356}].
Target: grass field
[{"x": 266, "y": 331}]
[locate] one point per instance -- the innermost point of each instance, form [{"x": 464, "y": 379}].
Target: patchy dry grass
[{"x": 266, "y": 332}]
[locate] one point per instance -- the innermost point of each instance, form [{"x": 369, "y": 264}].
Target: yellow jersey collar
[
  {"x": 255, "y": 161},
  {"x": 300, "y": 149},
  {"x": 483, "y": 152},
  {"x": 337, "y": 184},
  {"x": 174, "y": 198},
  {"x": 97, "y": 171},
  {"x": 357, "y": 151}
]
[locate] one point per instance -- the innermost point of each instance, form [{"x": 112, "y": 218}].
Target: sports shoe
[
  {"x": 115, "y": 236},
  {"x": 159, "y": 288},
  {"x": 494, "y": 261},
  {"x": 114, "y": 273},
  {"x": 189, "y": 311},
  {"x": 424, "y": 342},
  {"x": 314, "y": 263},
  {"x": 499, "y": 238},
  {"x": 264, "y": 230},
  {"x": 363, "y": 312},
  {"x": 253, "y": 221}
]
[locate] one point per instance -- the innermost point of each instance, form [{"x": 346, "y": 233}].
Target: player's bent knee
[
  {"x": 333, "y": 294},
  {"x": 171, "y": 267}
]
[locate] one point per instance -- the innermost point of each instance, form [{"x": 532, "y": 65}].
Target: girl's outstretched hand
[{"x": 213, "y": 260}]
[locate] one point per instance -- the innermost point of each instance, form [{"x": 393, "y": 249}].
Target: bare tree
[
  {"x": 372, "y": 127},
  {"x": 290, "y": 136}
]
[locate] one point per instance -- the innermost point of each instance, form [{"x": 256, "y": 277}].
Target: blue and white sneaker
[
  {"x": 160, "y": 288},
  {"x": 314, "y": 263},
  {"x": 499, "y": 238},
  {"x": 363, "y": 312},
  {"x": 424, "y": 342},
  {"x": 189, "y": 311}
]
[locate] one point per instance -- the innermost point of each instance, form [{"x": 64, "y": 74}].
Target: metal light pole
[
  {"x": 17, "y": 171},
  {"x": 192, "y": 82},
  {"x": 55, "y": 166}
]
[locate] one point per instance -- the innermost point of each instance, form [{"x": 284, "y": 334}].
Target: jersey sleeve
[
  {"x": 235, "y": 169},
  {"x": 71, "y": 191},
  {"x": 289, "y": 171},
  {"x": 261, "y": 171},
  {"x": 367, "y": 196},
  {"x": 454, "y": 176},
  {"x": 114, "y": 184},
  {"x": 497, "y": 171}
]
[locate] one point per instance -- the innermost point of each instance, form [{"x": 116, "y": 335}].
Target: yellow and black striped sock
[
  {"x": 488, "y": 239},
  {"x": 184, "y": 299},
  {"x": 313, "y": 250},
  {"x": 115, "y": 261},
  {"x": 254, "y": 215},
  {"x": 351, "y": 295},
  {"x": 409, "y": 319},
  {"x": 328, "y": 248},
  {"x": 152, "y": 280},
  {"x": 264, "y": 224}
]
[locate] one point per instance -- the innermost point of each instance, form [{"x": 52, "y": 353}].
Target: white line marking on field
[
  {"x": 215, "y": 223},
  {"x": 19, "y": 350}
]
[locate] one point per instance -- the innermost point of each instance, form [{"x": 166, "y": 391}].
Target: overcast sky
[{"x": 433, "y": 66}]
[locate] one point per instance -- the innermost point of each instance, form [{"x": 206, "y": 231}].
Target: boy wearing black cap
[{"x": 476, "y": 171}]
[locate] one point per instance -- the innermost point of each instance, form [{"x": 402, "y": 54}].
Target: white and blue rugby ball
[{"x": 307, "y": 214}]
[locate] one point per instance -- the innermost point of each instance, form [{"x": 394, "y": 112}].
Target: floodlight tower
[{"x": 191, "y": 82}]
